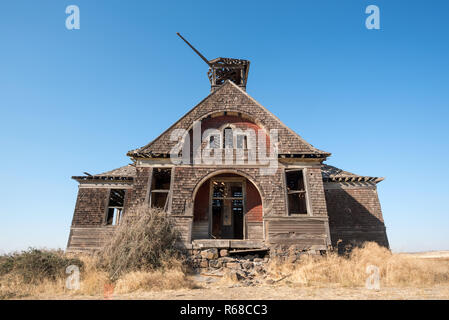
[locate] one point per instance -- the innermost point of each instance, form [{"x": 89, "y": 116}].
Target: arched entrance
[{"x": 227, "y": 206}]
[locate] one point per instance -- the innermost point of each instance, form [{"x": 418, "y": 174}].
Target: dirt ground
[{"x": 274, "y": 292}]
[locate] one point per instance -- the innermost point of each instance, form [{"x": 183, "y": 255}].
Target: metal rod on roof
[{"x": 193, "y": 48}]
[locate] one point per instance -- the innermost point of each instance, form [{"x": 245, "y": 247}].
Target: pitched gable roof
[
  {"x": 229, "y": 97},
  {"x": 125, "y": 171}
]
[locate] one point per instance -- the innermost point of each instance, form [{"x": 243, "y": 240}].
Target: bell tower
[{"x": 222, "y": 69}]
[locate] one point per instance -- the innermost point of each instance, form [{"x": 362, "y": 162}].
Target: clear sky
[{"x": 78, "y": 100}]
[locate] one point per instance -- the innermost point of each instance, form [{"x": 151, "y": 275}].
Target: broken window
[
  {"x": 160, "y": 188},
  {"x": 115, "y": 206},
  {"x": 296, "y": 192}
]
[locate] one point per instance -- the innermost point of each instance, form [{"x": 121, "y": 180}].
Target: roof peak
[
  {"x": 223, "y": 69},
  {"x": 229, "y": 97}
]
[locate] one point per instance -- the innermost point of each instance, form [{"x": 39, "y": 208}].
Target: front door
[{"x": 227, "y": 208}]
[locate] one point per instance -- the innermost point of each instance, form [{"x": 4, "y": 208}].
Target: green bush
[{"x": 34, "y": 265}]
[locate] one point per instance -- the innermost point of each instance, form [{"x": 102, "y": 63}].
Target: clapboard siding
[
  {"x": 200, "y": 230},
  {"x": 81, "y": 239},
  {"x": 301, "y": 232},
  {"x": 254, "y": 230}
]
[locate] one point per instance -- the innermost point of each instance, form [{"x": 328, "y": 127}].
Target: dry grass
[
  {"x": 139, "y": 281},
  {"x": 401, "y": 273},
  {"x": 93, "y": 279},
  {"x": 395, "y": 270}
]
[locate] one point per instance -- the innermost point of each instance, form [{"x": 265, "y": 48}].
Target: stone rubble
[{"x": 246, "y": 268}]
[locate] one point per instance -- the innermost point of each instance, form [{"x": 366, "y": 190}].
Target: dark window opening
[
  {"x": 158, "y": 199},
  {"x": 236, "y": 191},
  {"x": 296, "y": 191},
  {"x": 218, "y": 189},
  {"x": 115, "y": 206},
  {"x": 295, "y": 180},
  {"x": 217, "y": 212},
  {"x": 160, "y": 188},
  {"x": 161, "y": 179}
]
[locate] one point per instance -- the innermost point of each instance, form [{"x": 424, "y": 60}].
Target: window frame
[
  {"x": 305, "y": 191},
  {"x": 235, "y": 136},
  {"x": 118, "y": 211},
  {"x": 151, "y": 191}
]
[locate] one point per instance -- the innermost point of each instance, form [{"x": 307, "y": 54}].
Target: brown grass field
[{"x": 402, "y": 276}]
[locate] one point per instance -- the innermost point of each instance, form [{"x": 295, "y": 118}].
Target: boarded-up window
[
  {"x": 160, "y": 187},
  {"x": 296, "y": 192},
  {"x": 115, "y": 206}
]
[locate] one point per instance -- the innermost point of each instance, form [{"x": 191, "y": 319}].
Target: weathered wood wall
[
  {"x": 88, "y": 239},
  {"x": 303, "y": 232},
  {"x": 355, "y": 215}
]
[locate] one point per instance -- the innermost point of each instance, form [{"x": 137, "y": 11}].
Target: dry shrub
[
  {"x": 34, "y": 265},
  {"x": 34, "y": 272},
  {"x": 395, "y": 270},
  {"x": 143, "y": 241}
]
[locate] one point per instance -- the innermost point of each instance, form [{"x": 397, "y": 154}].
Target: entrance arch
[{"x": 227, "y": 206}]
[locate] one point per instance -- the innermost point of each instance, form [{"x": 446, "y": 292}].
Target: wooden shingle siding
[
  {"x": 184, "y": 227},
  {"x": 90, "y": 208},
  {"x": 139, "y": 194}
]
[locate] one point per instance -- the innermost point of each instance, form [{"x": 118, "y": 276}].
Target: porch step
[
  {"x": 248, "y": 251},
  {"x": 228, "y": 244}
]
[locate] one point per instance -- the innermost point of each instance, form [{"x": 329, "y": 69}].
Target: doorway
[{"x": 227, "y": 208}]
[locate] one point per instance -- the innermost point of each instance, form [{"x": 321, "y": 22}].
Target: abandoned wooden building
[{"x": 227, "y": 200}]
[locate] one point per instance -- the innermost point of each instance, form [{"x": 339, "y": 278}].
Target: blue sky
[{"x": 78, "y": 100}]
